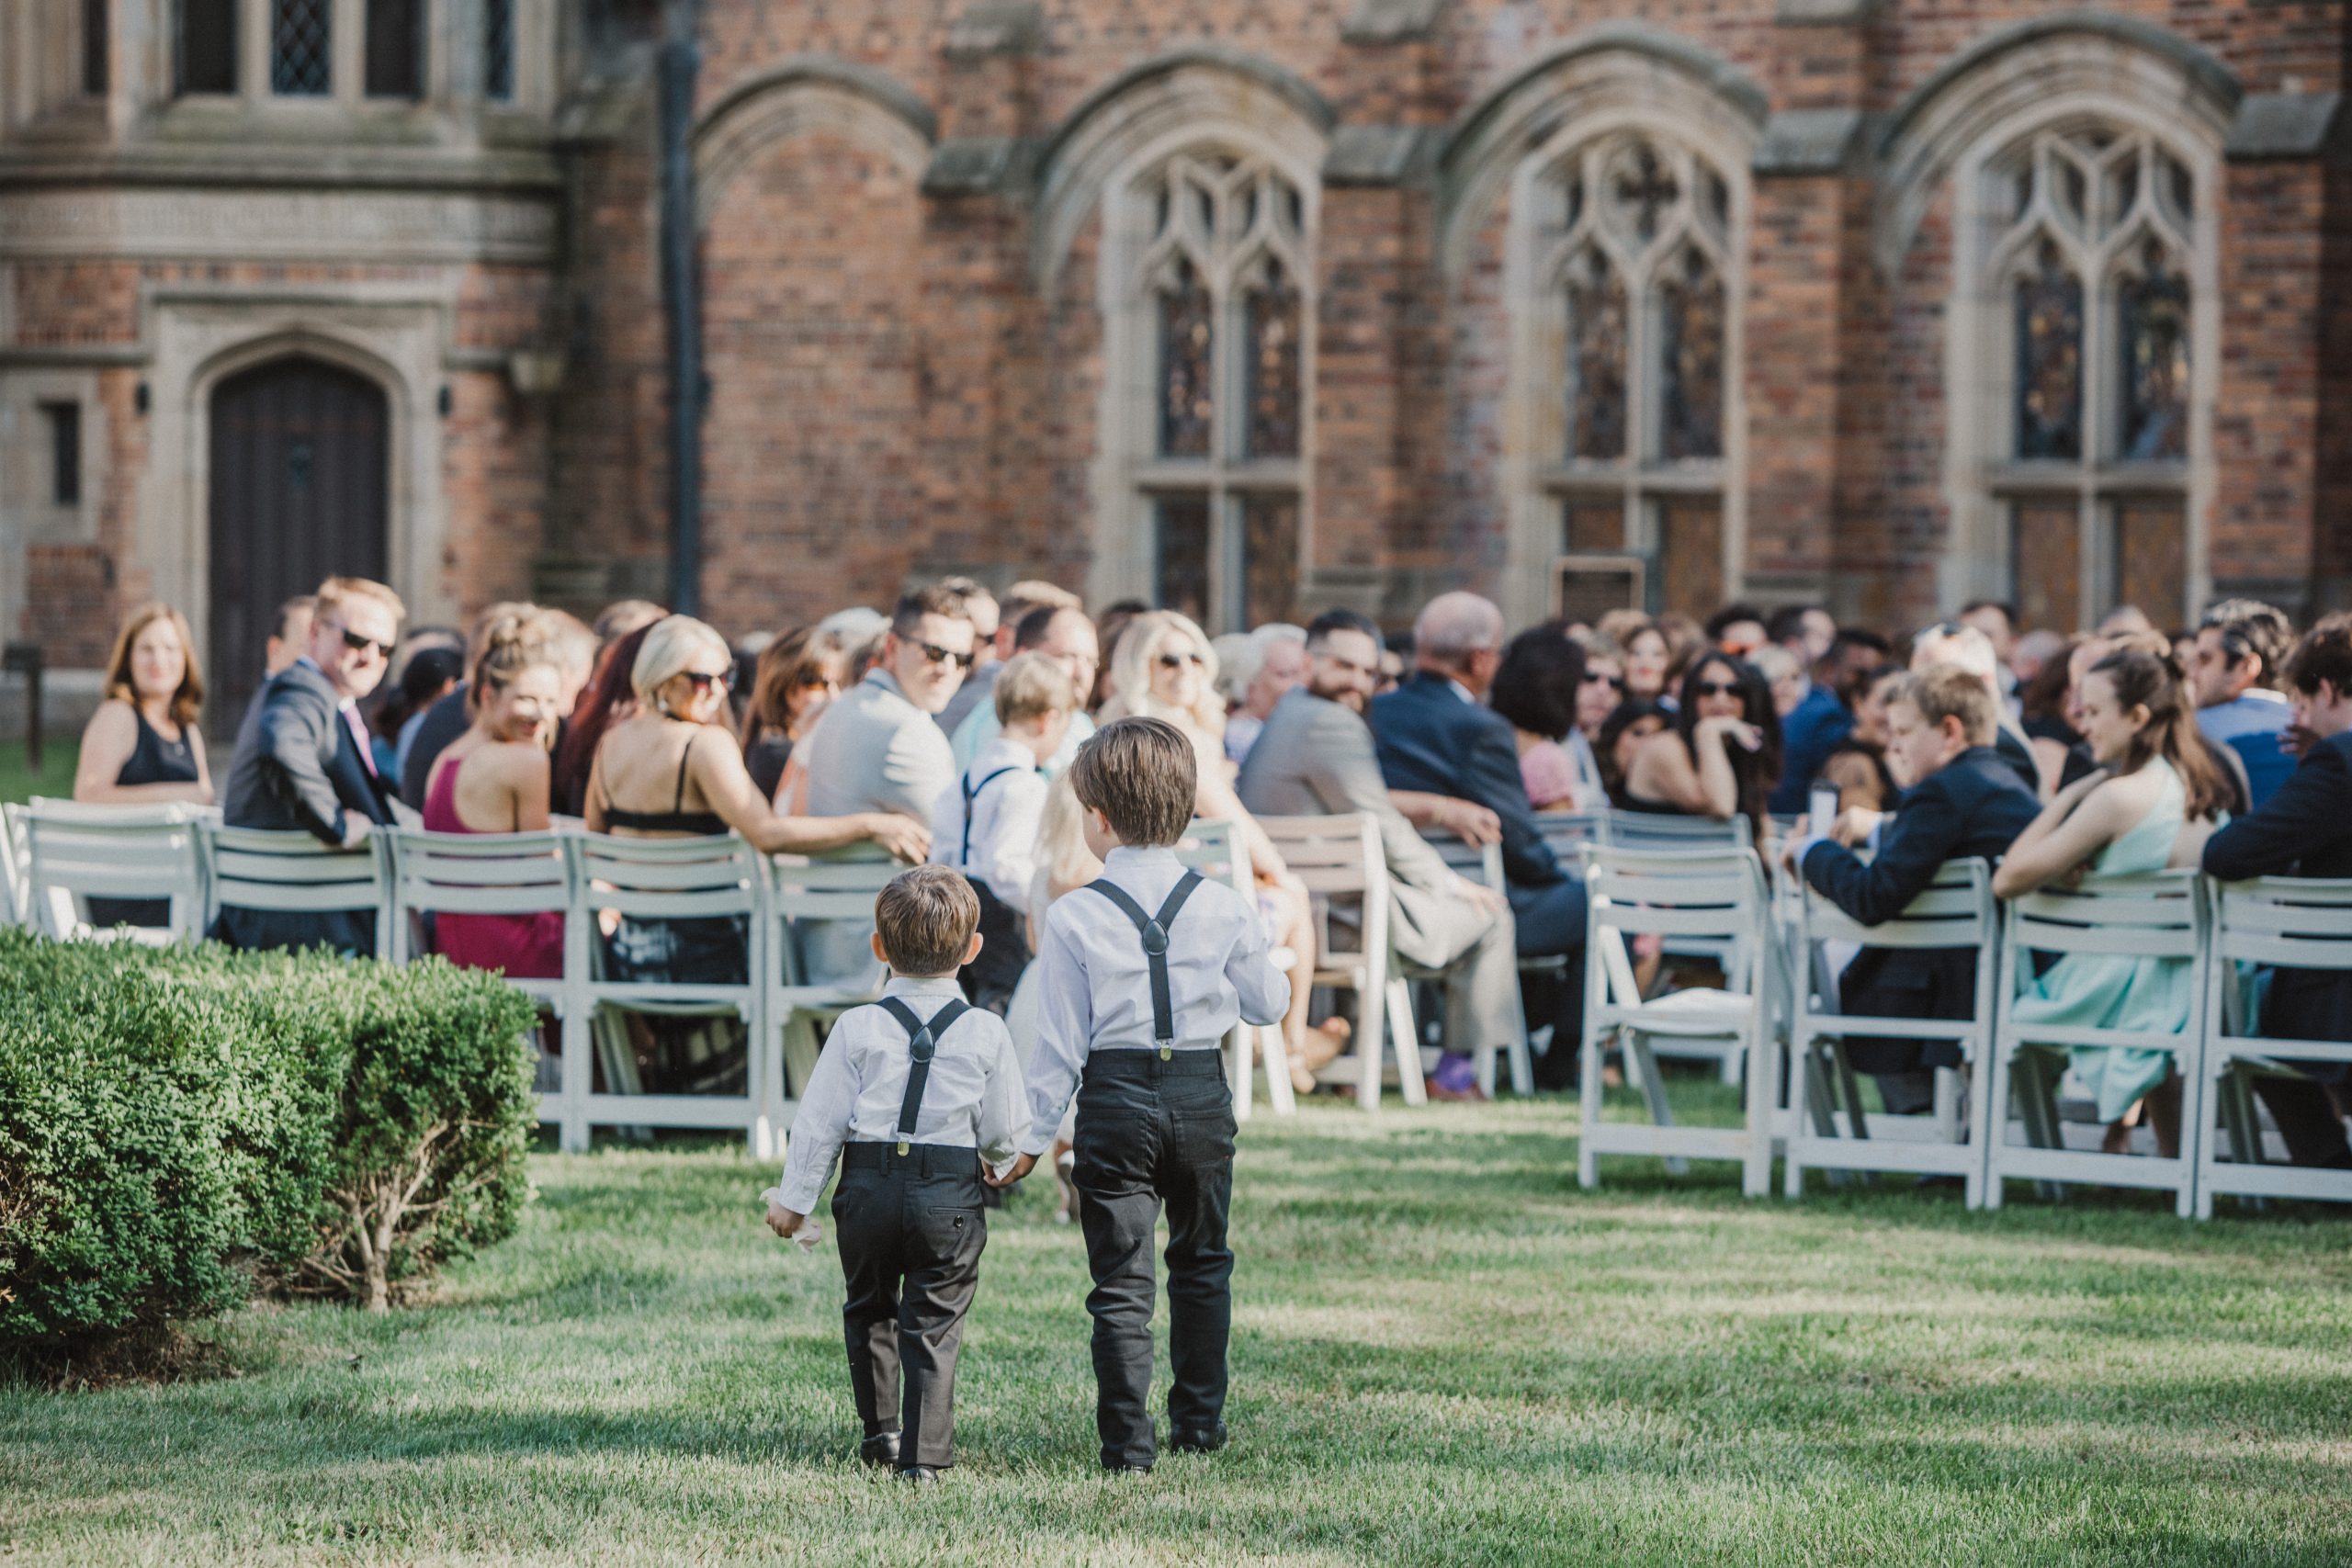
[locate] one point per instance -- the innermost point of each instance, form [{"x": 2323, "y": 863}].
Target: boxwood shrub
[{"x": 178, "y": 1124}]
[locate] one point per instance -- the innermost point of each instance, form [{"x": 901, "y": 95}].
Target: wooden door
[{"x": 300, "y": 471}]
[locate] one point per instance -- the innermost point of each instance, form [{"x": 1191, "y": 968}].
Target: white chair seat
[{"x": 1699, "y": 1012}]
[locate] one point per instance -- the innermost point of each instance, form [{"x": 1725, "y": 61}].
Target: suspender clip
[{"x": 903, "y": 1147}]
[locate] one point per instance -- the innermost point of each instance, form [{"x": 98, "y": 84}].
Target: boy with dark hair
[
  {"x": 914, "y": 1093},
  {"x": 1138, "y": 987}
]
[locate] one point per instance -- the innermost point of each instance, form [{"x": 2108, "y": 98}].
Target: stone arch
[{"x": 804, "y": 94}]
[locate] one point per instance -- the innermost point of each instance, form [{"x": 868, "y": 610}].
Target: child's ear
[
  {"x": 972, "y": 948},
  {"x": 880, "y": 953}
]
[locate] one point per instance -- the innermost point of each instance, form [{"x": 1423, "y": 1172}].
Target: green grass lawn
[
  {"x": 1443, "y": 1352},
  {"x": 19, "y": 781}
]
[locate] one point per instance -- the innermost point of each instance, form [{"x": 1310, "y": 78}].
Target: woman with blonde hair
[
  {"x": 1164, "y": 668},
  {"x": 142, "y": 747}
]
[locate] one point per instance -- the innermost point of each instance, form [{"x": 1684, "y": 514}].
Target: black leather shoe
[
  {"x": 919, "y": 1475},
  {"x": 1195, "y": 1441},
  {"x": 879, "y": 1451}
]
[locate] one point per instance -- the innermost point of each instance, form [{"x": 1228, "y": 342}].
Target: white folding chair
[
  {"x": 1484, "y": 865},
  {"x": 1829, "y": 1127},
  {"x": 1659, "y": 830},
  {"x": 1569, "y": 833},
  {"x": 714, "y": 877},
  {"x": 2295, "y": 924},
  {"x": 1717, "y": 896},
  {"x": 1209, "y": 848},
  {"x": 292, "y": 873},
  {"x": 74, "y": 852},
  {"x": 501, "y": 873},
  {"x": 16, "y": 903},
  {"x": 2162, "y": 915},
  {"x": 1340, "y": 857},
  {"x": 811, "y": 897}
]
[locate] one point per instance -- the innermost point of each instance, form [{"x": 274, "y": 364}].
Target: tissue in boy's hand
[{"x": 810, "y": 1234}]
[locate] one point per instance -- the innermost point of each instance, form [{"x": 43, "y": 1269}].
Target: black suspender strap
[
  {"x": 1153, "y": 929},
  {"x": 924, "y": 1040},
  {"x": 971, "y": 798}
]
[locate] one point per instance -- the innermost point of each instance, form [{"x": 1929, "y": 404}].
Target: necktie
[{"x": 359, "y": 738}]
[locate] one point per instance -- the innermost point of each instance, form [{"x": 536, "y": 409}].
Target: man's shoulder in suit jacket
[
  {"x": 1315, "y": 757},
  {"x": 1973, "y": 806},
  {"x": 1433, "y": 740},
  {"x": 2303, "y": 830}
]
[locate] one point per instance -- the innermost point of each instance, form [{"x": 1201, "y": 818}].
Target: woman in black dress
[{"x": 142, "y": 747}]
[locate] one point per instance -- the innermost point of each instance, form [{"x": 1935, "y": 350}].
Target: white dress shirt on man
[
  {"x": 972, "y": 1098},
  {"x": 1094, "y": 983},
  {"x": 1007, "y": 815}
]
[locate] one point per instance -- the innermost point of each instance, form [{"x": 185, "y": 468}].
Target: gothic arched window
[
  {"x": 1222, "y": 268},
  {"x": 2089, "y": 234},
  {"x": 1632, "y": 253}
]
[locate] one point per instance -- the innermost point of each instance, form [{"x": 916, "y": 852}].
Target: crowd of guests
[{"x": 945, "y": 730}]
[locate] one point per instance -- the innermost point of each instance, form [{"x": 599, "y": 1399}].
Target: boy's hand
[
  {"x": 1013, "y": 1173},
  {"x": 784, "y": 1221}
]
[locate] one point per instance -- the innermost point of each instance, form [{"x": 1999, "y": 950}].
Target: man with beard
[{"x": 1315, "y": 757}]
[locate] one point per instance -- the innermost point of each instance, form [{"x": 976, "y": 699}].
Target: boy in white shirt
[
  {"x": 1140, "y": 976},
  {"x": 914, "y": 1093},
  {"x": 986, "y": 825}
]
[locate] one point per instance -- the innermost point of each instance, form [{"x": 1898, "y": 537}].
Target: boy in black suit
[{"x": 1963, "y": 799}]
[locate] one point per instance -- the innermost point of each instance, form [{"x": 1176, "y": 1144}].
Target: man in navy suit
[
  {"x": 1963, "y": 800},
  {"x": 2306, "y": 829},
  {"x": 1435, "y": 735},
  {"x": 302, "y": 761}
]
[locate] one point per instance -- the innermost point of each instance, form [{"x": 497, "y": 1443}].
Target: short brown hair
[
  {"x": 334, "y": 591},
  {"x": 1030, "y": 686},
  {"x": 1950, "y": 692},
  {"x": 1142, "y": 775},
  {"x": 917, "y": 602},
  {"x": 2323, "y": 654},
  {"x": 926, "y": 918}
]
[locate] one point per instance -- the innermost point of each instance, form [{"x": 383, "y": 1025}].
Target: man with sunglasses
[
  {"x": 302, "y": 761},
  {"x": 879, "y": 745}
]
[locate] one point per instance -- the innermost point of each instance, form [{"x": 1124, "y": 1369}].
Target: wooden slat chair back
[
  {"x": 501, "y": 873},
  {"x": 2293, "y": 923},
  {"x": 74, "y": 852},
  {"x": 702, "y": 877},
  {"x": 292, "y": 873},
  {"x": 1712, "y": 895},
  {"x": 820, "y": 909},
  {"x": 2159, "y": 915},
  {"x": 1340, "y": 857},
  {"x": 1484, "y": 865},
  {"x": 1831, "y": 1127},
  {"x": 1212, "y": 847}
]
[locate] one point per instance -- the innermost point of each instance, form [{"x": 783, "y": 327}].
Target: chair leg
[
  {"x": 1372, "y": 1036},
  {"x": 1587, "y": 1110},
  {"x": 1994, "y": 1120},
  {"x": 1276, "y": 1055},
  {"x": 1849, "y": 1088},
  {"x": 2037, "y": 1098},
  {"x": 1522, "y": 1065},
  {"x": 1756, "y": 1171},
  {"x": 1641, "y": 1061},
  {"x": 1405, "y": 1038},
  {"x": 801, "y": 1050},
  {"x": 578, "y": 1072}
]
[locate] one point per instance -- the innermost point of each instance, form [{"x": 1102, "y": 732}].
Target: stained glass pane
[
  {"x": 498, "y": 49},
  {"x": 2152, "y": 335},
  {"x": 1641, "y": 190},
  {"x": 1187, "y": 338},
  {"x": 1597, "y": 334},
  {"x": 1182, "y": 564},
  {"x": 2152, "y": 557},
  {"x": 1272, "y": 311},
  {"x": 395, "y": 48},
  {"x": 208, "y": 46},
  {"x": 2049, "y": 360},
  {"x": 300, "y": 52},
  {"x": 1691, "y": 366},
  {"x": 1268, "y": 559},
  {"x": 2045, "y": 562}
]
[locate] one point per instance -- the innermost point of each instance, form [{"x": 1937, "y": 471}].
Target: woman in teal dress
[{"x": 2156, "y": 794}]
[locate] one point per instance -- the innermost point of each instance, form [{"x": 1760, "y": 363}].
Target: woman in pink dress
[{"x": 494, "y": 779}]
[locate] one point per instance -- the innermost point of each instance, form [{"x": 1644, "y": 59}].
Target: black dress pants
[
  {"x": 911, "y": 1229},
  {"x": 1151, "y": 1133}
]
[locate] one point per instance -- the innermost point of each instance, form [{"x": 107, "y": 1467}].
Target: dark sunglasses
[
  {"x": 1718, "y": 689},
  {"x": 810, "y": 678},
  {"x": 938, "y": 655},
  {"x": 1178, "y": 661},
  {"x": 1595, "y": 678},
  {"x": 357, "y": 644},
  {"x": 703, "y": 679}
]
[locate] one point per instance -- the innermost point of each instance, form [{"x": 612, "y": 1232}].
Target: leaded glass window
[
  {"x": 2050, "y": 359},
  {"x": 2152, "y": 337},
  {"x": 1690, "y": 358},
  {"x": 96, "y": 48},
  {"x": 498, "y": 49},
  {"x": 1222, "y": 257},
  {"x": 1597, "y": 336},
  {"x": 301, "y": 48}
]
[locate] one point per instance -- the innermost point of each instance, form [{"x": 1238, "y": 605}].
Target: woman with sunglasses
[
  {"x": 1723, "y": 756},
  {"x": 661, "y": 773},
  {"x": 798, "y": 675},
  {"x": 1541, "y": 686},
  {"x": 1164, "y": 668}
]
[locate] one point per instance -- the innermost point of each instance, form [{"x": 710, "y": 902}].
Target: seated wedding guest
[
  {"x": 2154, "y": 796},
  {"x": 1274, "y": 662},
  {"x": 1316, "y": 758},
  {"x": 1685, "y": 640},
  {"x": 876, "y": 746},
  {"x": 2240, "y": 653},
  {"x": 796, "y": 676},
  {"x": 1858, "y": 766},
  {"x": 1598, "y": 696},
  {"x": 1784, "y": 678},
  {"x": 1025, "y": 596},
  {"x": 1963, "y": 801},
  {"x": 1814, "y": 715},
  {"x": 494, "y": 779},
  {"x": 608, "y": 699},
  {"x": 1538, "y": 686},
  {"x": 1433, "y": 734},
  {"x": 2306, "y": 829},
  {"x": 301, "y": 761},
  {"x": 1646, "y": 654},
  {"x": 1998, "y": 622},
  {"x": 2087, "y": 653},
  {"x": 623, "y": 616},
  {"x": 1162, "y": 670},
  {"x": 1109, "y": 629},
  {"x": 142, "y": 747},
  {"x": 452, "y": 716},
  {"x": 1063, "y": 634},
  {"x": 430, "y": 675},
  {"x": 1735, "y": 629},
  {"x": 671, "y": 769},
  {"x": 1724, "y": 754},
  {"x": 1964, "y": 647},
  {"x": 2031, "y": 654},
  {"x": 1629, "y": 724},
  {"x": 2042, "y": 704}
]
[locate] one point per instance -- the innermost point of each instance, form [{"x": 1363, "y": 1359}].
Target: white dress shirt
[
  {"x": 1007, "y": 816},
  {"x": 972, "y": 1098},
  {"x": 1094, "y": 983}
]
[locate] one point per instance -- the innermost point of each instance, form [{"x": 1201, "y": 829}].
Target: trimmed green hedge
[{"x": 177, "y": 1124}]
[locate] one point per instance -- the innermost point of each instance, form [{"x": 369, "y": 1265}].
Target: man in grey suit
[
  {"x": 877, "y": 746},
  {"x": 1315, "y": 757}
]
